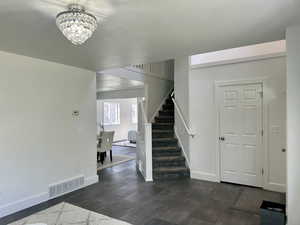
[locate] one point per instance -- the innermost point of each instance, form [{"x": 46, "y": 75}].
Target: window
[
  {"x": 111, "y": 113},
  {"x": 134, "y": 118}
]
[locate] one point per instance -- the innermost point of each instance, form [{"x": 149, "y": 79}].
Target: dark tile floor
[
  {"x": 120, "y": 150},
  {"x": 121, "y": 193}
]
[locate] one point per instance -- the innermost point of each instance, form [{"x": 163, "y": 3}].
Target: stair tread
[
  {"x": 164, "y": 139},
  {"x": 162, "y": 131},
  {"x": 168, "y": 158},
  {"x": 165, "y": 116},
  {"x": 164, "y": 120},
  {"x": 170, "y": 169},
  {"x": 166, "y": 113},
  {"x": 163, "y": 123},
  {"x": 166, "y": 148},
  {"x": 169, "y": 119},
  {"x": 166, "y": 110}
]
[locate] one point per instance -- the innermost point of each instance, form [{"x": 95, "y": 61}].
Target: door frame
[{"x": 264, "y": 147}]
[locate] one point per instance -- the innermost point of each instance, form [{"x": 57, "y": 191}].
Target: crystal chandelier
[{"x": 76, "y": 24}]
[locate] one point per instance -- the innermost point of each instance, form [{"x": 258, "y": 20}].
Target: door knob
[
  {"x": 283, "y": 150},
  {"x": 222, "y": 138}
]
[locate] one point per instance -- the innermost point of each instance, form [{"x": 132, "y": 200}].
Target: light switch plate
[{"x": 75, "y": 113}]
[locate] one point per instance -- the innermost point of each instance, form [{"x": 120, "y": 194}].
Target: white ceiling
[
  {"x": 112, "y": 83},
  {"x": 138, "y": 31}
]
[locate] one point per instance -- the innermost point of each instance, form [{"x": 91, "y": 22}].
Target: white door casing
[
  {"x": 240, "y": 129},
  {"x": 275, "y": 144}
]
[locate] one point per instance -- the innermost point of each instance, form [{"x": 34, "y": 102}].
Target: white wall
[
  {"x": 163, "y": 70},
  {"x": 40, "y": 141},
  {"x": 155, "y": 92},
  {"x": 245, "y": 53},
  {"x": 293, "y": 123},
  {"x": 203, "y": 114},
  {"x": 181, "y": 90},
  {"x": 156, "y": 87},
  {"x": 121, "y": 130},
  {"x": 127, "y": 93}
]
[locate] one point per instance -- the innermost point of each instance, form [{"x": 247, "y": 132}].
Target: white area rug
[
  {"x": 117, "y": 159},
  {"x": 67, "y": 214}
]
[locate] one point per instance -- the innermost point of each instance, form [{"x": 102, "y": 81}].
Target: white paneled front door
[{"x": 240, "y": 124}]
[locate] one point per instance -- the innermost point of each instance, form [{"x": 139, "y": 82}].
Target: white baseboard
[
  {"x": 148, "y": 180},
  {"x": 275, "y": 187},
  {"x": 25, "y": 203},
  {"x": 199, "y": 175},
  {"x": 91, "y": 180}
]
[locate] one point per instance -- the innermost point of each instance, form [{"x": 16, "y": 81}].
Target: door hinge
[
  {"x": 262, "y": 171},
  {"x": 262, "y": 132},
  {"x": 261, "y": 93}
]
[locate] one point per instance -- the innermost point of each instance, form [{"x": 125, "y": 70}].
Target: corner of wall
[{"x": 91, "y": 180}]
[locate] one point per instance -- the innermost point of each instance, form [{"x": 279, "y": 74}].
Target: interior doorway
[
  {"x": 240, "y": 114},
  {"x": 119, "y": 118}
]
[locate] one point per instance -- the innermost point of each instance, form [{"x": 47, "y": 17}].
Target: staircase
[{"x": 168, "y": 161}]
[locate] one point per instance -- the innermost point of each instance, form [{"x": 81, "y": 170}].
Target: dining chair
[{"x": 106, "y": 144}]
